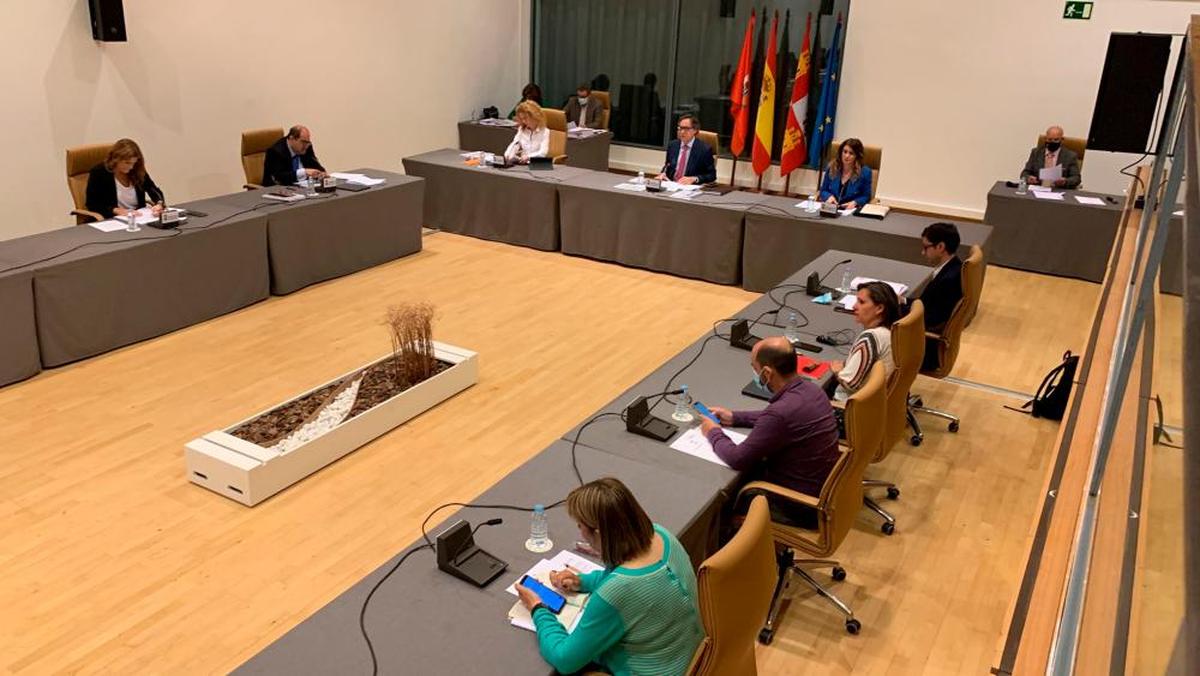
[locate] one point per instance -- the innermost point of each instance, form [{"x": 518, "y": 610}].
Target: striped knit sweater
[{"x": 870, "y": 346}]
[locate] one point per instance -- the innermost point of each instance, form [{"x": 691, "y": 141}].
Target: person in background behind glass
[
  {"x": 582, "y": 109},
  {"x": 530, "y": 92},
  {"x": 120, "y": 183}
]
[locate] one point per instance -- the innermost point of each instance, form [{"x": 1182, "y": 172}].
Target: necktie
[
  {"x": 295, "y": 163},
  {"x": 681, "y": 164}
]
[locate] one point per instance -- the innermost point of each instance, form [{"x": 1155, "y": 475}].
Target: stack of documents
[
  {"x": 497, "y": 122},
  {"x": 144, "y": 217},
  {"x": 899, "y": 288},
  {"x": 694, "y": 443},
  {"x": 282, "y": 195},
  {"x": 1084, "y": 199},
  {"x": 358, "y": 179},
  {"x": 518, "y": 616}
]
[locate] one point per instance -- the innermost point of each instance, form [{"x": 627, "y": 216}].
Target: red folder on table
[{"x": 817, "y": 371}]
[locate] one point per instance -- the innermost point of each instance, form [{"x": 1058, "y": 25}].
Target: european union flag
[{"x": 822, "y": 134}]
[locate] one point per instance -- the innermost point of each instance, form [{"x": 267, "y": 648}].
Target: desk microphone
[
  {"x": 835, "y": 267},
  {"x": 815, "y": 286},
  {"x": 470, "y": 541}
]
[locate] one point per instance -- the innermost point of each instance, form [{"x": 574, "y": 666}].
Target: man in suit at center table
[
  {"x": 697, "y": 165},
  {"x": 1053, "y": 154},
  {"x": 291, "y": 159},
  {"x": 939, "y": 246}
]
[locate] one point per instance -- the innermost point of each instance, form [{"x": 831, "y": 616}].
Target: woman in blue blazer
[{"x": 846, "y": 182}]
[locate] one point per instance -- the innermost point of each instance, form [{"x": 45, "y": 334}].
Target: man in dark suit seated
[
  {"x": 697, "y": 165},
  {"x": 1051, "y": 155},
  {"x": 939, "y": 246},
  {"x": 584, "y": 110},
  {"x": 291, "y": 159}
]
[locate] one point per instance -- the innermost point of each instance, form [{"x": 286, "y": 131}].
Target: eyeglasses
[
  {"x": 925, "y": 246},
  {"x": 683, "y": 128}
]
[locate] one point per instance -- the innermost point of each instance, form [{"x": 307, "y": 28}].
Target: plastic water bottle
[
  {"x": 683, "y": 407},
  {"x": 539, "y": 532},
  {"x": 131, "y": 221},
  {"x": 791, "y": 330},
  {"x": 847, "y": 278},
  {"x": 641, "y": 179},
  {"x": 813, "y": 206},
  {"x": 1023, "y": 186}
]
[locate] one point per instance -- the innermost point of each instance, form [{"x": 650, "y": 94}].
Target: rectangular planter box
[{"x": 248, "y": 473}]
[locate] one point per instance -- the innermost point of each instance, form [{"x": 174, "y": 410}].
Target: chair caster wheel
[
  {"x": 838, "y": 573},
  {"x": 953, "y": 427},
  {"x": 888, "y": 528},
  {"x": 916, "y": 440},
  {"x": 765, "y": 636},
  {"x": 893, "y": 493},
  {"x": 918, "y": 402},
  {"x": 853, "y": 626}
]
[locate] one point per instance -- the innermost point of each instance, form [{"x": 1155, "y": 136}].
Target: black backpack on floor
[{"x": 1052, "y": 395}]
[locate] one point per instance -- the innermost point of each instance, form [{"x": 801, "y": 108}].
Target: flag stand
[
  {"x": 759, "y": 188},
  {"x": 733, "y": 171},
  {"x": 787, "y": 185}
]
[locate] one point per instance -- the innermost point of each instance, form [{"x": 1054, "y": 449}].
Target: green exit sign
[{"x": 1077, "y": 10}]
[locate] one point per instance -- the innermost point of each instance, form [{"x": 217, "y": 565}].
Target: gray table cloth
[
  {"x": 19, "y": 354},
  {"x": 423, "y": 621},
  {"x": 515, "y": 205},
  {"x": 1063, "y": 237},
  {"x": 96, "y": 291},
  {"x": 339, "y": 233},
  {"x": 780, "y": 237},
  {"x": 699, "y": 237},
  {"x": 587, "y": 153}
]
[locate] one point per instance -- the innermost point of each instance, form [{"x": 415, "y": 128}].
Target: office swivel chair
[
  {"x": 837, "y": 507},
  {"x": 713, "y": 141},
  {"x": 606, "y": 100},
  {"x": 908, "y": 350},
  {"x": 556, "y": 119},
  {"x": 1079, "y": 145},
  {"x": 872, "y": 157},
  {"x": 558, "y": 146},
  {"x": 80, "y": 161},
  {"x": 255, "y": 143},
  {"x": 734, "y": 589},
  {"x": 947, "y": 342}
]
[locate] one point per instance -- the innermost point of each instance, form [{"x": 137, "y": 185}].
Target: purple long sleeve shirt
[{"x": 794, "y": 438}]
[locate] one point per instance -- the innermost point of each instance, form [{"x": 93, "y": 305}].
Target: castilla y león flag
[
  {"x": 764, "y": 126},
  {"x": 795, "y": 147},
  {"x": 739, "y": 94}
]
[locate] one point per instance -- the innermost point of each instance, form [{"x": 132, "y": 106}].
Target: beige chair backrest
[
  {"x": 908, "y": 351},
  {"x": 841, "y": 496},
  {"x": 255, "y": 143},
  {"x": 872, "y": 157},
  {"x": 605, "y": 99},
  {"x": 951, "y": 336},
  {"x": 80, "y": 161},
  {"x": 734, "y": 588},
  {"x": 1079, "y": 145},
  {"x": 558, "y": 146},
  {"x": 712, "y": 140},
  {"x": 555, "y": 119}
]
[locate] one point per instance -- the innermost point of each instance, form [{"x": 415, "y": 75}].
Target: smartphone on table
[
  {"x": 552, "y": 599},
  {"x": 706, "y": 412}
]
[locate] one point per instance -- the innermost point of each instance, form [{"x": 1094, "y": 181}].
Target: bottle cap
[{"x": 538, "y": 508}]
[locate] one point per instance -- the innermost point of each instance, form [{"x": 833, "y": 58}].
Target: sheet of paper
[
  {"x": 367, "y": 180},
  {"x": 846, "y": 212},
  {"x": 1178, "y": 213},
  {"x": 685, "y": 194},
  {"x": 498, "y": 122},
  {"x": 693, "y": 442},
  {"x": 1084, "y": 199},
  {"x": 341, "y": 175},
  {"x": 1047, "y": 195},
  {"x": 1048, "y": 175},
  {"x": 632, "y": 187},
  {"x": 899, "y": 288},
  {"x": 569, "y": 617},
  {"x": 108, "y": 226},
  {"x": 848, "y": 301},
  {"x": 1039, "y": 188},
  {"x": 672, "y": 186}
]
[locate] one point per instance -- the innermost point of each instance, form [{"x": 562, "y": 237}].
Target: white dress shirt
[{"x": 528, "y": 143}]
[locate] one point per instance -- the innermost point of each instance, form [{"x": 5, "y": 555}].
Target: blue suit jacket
[
  {"x": 700, "y": 162},
  {"x": 858, "y": 191}
]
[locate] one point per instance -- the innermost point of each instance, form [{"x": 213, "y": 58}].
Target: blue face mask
[{"x": 759, "y": 382}]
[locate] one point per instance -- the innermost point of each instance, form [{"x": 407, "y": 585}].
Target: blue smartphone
[
  {"x": 704, "y": 411},
  {"x": 553, "y": 600}
]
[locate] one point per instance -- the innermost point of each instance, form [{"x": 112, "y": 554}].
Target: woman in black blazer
[{"x": 120, "y": 183}]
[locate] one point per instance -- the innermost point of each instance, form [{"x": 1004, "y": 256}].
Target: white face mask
[{"x": 583, "y": 100}]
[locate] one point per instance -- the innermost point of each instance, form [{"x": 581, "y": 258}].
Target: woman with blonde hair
[
  {"x": 533, "y": 136},
  {"x": 120, "y": 183},
  {"x": 642, "y": 617},
  {"x": 847, "y": 182}
]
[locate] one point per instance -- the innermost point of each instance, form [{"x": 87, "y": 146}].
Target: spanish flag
[
  {"x": 764, "y": 127},
  {"x": 795, "y": 146},
  {"x": 739, "y": 94}
]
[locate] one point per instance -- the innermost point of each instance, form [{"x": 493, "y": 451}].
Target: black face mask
[{"x": 1053, "y": 146}]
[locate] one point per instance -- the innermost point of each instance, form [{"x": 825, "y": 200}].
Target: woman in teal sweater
[{"x": 642, "y": 617}]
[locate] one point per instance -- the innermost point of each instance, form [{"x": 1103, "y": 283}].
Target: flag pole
[
  {"x": 759, "y": 188},
  {"x": 787, "y": 185},
  {"x": 733, "y": 172}
]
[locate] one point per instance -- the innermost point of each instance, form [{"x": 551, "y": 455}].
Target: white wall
[
  {"x": 956, "y": 92},
  {"x": 379, "y": 79}
]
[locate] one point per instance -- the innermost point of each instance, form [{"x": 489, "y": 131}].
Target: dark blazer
[
  {"x": 700, "y": 162},
  {"x": 939, "y": 297},
  {"x": 1067, "y": 159},
  {"x": 102, "y": 191},
  {"x": 591, "y": 118},
  {"x": 855, "y": 190},
  {"x": 277, "y": 165}
]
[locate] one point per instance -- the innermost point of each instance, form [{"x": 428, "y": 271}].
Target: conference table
[
  {"x": 589, "y": 152},
  {"x": 422, "y": 620},
  {"x": 516, "y": 205},
  {"x": 84, "y": 292},
  {"x": 780, "y": 236},
  {"x": 1066, "y": 237}
]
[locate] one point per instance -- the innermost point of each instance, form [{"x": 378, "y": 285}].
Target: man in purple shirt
[{"x": 793, "y": 442}]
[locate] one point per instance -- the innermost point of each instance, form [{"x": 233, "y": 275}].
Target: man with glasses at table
[
  {"x": 291, "y": 159},
  {"x": 689, "y": 160},
  {"x": 939, "y": 247}
]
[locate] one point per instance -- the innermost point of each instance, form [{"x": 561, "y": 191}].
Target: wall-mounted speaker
[
  {"x": 108, "y": 20},
  {"x": 1129, "y": 87}
]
